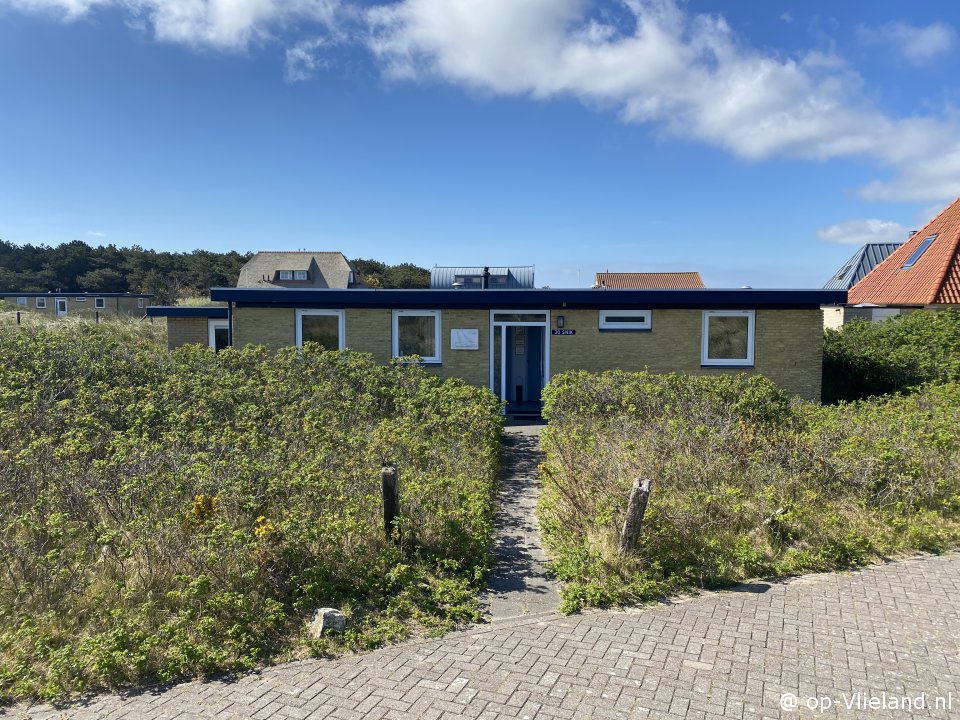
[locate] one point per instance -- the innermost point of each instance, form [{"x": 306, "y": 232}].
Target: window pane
[
  {"x": 638, "y": 319},
  {"x": 728, "y": 337},
  {"x": 322, "y": 329},
  {"x": 416, "y": 335},
  {"x": 221, "y": 338},
  {"x": 519, "y": 317}
]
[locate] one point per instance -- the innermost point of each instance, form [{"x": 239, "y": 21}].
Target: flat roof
[
  {"x": 207, "y": 311},
  {"x": 546, "y": 299}
]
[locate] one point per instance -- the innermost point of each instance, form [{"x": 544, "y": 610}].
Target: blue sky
[{"x": 756, "y": 142}]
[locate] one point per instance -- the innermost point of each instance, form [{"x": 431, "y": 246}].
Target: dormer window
[
  {"x": 299, "y": 274},
  {"x": 286, "y": 274}
]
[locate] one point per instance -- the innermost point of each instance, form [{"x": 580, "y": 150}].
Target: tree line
[{"x": 168, "y": 276}]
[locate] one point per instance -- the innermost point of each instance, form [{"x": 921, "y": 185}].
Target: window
[
  {"x": 353, "y": 278},
  {"x": 921, "y": 249},
  {"x": 140, "y": 303},
  {"x": 300, "y": 275},
  {"x": 843, "y": 271},
  {"x": 727, "y": 337},
  {"x": 80, "y": 298},
  {"x": 218, "y": 334},
  {"x": 22, "y": 301},
  {"x": 625, "y": 319},
  {"x": 417, "y": 332},
  {"x": 286, "y": 274},
  {"x": 100, "y": 303},
  {"x": 499, "y": 317},
  {"x": 41, "y": 303},
  {"x": 324, "y": 327}
]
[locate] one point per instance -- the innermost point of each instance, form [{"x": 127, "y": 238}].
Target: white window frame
[
  {"x": 214, "y": 324},
  {"x": 41, "y": 303},
  {"x": 22, "y": 301},
  {"x": 341, "y": 325},
  {"x": 707, "y": 361},
  {"x": 285, "y": 274},
  {"x": 298, "y": 273},
  {"x": 79, "y": 298},
  {"x": 604, "y": 325},
  {"x": 140, "y": 303},
  {"x": 99, "y": 303},
  {"x": 437, "y": 332}
]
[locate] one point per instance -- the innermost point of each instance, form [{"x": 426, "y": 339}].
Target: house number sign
[{"x": 563, "y": 332}]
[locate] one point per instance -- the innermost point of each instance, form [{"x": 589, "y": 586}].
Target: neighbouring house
[
  {"x": 480, "y": 278},
  {"x": 513, "y": 341},
  {"x": 62, "y": 304},
  {"x": 272, "y": 269},
  {"x": 648, "y": 280},
  {"x": 850, "y": 273},
  {"x": 923, "y": 273}
]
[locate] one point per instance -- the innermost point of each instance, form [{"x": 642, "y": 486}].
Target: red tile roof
[
  {"x": 934, "y": 278},
  {"x": 649, "y": 281}
]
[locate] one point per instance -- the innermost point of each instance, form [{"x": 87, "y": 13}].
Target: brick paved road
[{"x": 891, "y": 628}]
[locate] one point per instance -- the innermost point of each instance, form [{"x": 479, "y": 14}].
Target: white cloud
[
  {"x": 96, "y": 233},
  {"x": 303, "y": 60},
  {"x": 918, "y": 45},
  {"x": 786, "y": 17},
  {"x": 688, "y": 74},
  {"x": 222, "y": 24},
  {"x": 858, "y": 232}
]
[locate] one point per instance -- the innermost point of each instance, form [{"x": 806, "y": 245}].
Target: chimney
[{"x": 486, "y": 278}]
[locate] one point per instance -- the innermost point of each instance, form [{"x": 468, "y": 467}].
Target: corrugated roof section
[
  {"x": 649, "y": 280},
  {"x": 859, "y": 266},
  {"x": 516, "y": 277},
  {"x": 933, "y": 278}
]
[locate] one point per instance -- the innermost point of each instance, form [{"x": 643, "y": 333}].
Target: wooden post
[
  {"x": 390, "y": 487},
  {"x": 98, "y": 317},
  {"x": 18, "y": 317},
  {"x": 639, "y": 494}
]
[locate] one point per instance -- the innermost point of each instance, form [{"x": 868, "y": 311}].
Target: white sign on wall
[{"x": 464, "y": 339}]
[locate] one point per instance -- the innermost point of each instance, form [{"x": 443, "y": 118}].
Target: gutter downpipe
[{"x": 230, "y": 323}]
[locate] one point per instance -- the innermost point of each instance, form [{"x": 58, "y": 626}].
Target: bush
[
  {"x": 173, "y": 515},
  {"x": 864, "y": 359},
  {"x": 746, "y": 483}
]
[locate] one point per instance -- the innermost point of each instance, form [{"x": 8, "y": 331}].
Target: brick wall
[
  {"x": 186, "y": 330},
  {"x": 788, "y": 346},
  {"x": 271, "y": 327},
  {"x": 369, "y": 331},
  {"x": 471, "y": 365}
]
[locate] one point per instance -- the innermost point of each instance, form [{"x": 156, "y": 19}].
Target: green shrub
[
  {"x": 746, "y": 484},
  {"x": 178, "y": 514},
  {"x": 864, "y": 359}
]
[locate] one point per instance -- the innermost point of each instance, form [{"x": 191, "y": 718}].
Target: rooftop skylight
[{"x": 921, "y": 249}]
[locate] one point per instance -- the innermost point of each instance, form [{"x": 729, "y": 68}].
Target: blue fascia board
[
  {"x": 546, "y": 299},
  {"x": 210, "y": 311}
]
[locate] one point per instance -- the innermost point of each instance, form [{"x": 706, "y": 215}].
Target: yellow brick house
[{"x": 513, "y": 341}]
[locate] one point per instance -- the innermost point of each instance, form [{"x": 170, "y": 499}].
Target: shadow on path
[{"x": 519, "y": 583}]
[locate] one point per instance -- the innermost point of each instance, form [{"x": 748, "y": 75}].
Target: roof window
[{"x": 921, "y": 249}]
